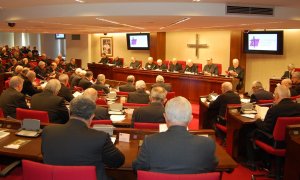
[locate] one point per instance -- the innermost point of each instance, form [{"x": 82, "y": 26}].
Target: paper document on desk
[
  {"x": 203, "y": 99},
  {"x": 244, "y": 100},
  {"x": 261, "y": 111},
  {"x": 3, "y": 134},
  {"x": 117, "y": 118},
  {"x": 251, "y": 116},
  {"x": 17, "y": 144},
  {"x": 75, "y": 94}
]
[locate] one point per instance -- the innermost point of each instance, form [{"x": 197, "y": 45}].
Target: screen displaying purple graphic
[
  {"x": 267, "y": 42},
  {"x": 138, "y": 41}
]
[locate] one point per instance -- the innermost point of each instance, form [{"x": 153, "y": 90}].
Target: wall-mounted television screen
[
  {"x": 263, "y": 42},
  {"x": 139, "y": 41},
  {"x": 60, "y": 36}
]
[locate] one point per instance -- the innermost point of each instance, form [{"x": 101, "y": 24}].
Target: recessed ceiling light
[
  {"x": 196, "y": 0},
  {"x": 80, "y": 1}
]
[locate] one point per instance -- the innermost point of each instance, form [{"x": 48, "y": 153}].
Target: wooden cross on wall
[{"x": 197, "y": 45}]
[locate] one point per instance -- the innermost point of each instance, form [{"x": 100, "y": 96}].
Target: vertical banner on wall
[{"x": 106, "y": 45}]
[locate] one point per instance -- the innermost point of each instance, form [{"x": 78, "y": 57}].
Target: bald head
[
  {"x": 287, "y": 83},
  {"x": 226, "y": 86},
  {"x": 235, "y": 63},
  {"x": 91, "y": 93},
  {"x": 280, "y": 93},
  {"x": 158, "y": 94}
]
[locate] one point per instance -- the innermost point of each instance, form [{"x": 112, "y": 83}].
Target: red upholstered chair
[
  {"x": 297, "y": 69},
  {"x": 1, "y": 113},
  {"x": 219, "y": 66},
  {"x": 134, "y": 105},
  {"x": 6, "y": 84},
  {"x": 32, "y": 114},
  {"x": 167, "y": 63},
  {"x": 107, "y": 122},
  {"x": 295, "y": 97},
  {"x": 170, "y": 95},
  {"x": 122, "y": 93},
  {"x": 100, "y": 93},
  {"x": 138, "y": 125},
  {"x": 37, "y": 171},
  {"x": 279, "y": 133},
  {"x": 265, "y": 101},
  {"x": 183, "y": 64},
  {"x": 147, "y": 175},
  {"x": 101, "y": 101},
  {"x": 77, "y": 88},
  {"x": 199, "y": 65},
  {"x": 33, "y": 64}
]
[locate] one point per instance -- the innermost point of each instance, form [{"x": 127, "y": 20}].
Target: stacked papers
[{"x": 117, "y": 118}]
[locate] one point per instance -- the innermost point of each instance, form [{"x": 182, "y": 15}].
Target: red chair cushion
[
  {"x": 280, "y": 127},
  {"x": 147, "y": 175},
  {"x": 101, "y": 101},
  {"x": 138, "y": 125},
  {"x": 108, "y": 122},
  {"x": 122, "y": 93},
  {"x": 221, "y": 127},
  {"x": 134, "y": 104},
  {"x": 32, "y": 114},
  {"x": 170, "y": 95},
  {"x": 269, "y": 149}
]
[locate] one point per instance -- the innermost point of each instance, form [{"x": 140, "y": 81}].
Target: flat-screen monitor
[
  {"x": 60, "y": 36},
  {"x": 263, "y": 42},
  {"x": 139, "y": 41}
]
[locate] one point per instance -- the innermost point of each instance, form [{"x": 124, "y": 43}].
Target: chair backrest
[
  {"x": 37, "y": 171},
  {"x": 295, "y": 97},
  {"x": 199, "y": 65},
  {"x": 280, "y": 126},
  {"x": 33, "y": 64},
  {"x": 108, "y": 122},
  {"x": 297, "y": 69},
  {"x": 141, "y": 63},
  {"x": 219, "y": 66},
  {"x": 183, "y": 64},
  {"x": 265, "y": 101},
  {"x": 167, "y": 63},
  {"x": 100, "y": 93},
  {"x": 101, "y": 101},
  {"x": 32, "y": 114},
  {"x": 1, "y": 113},
  {"x": 138, "y": 125},
  {"x": 6, "y": 84},
  {"x": 122, "y": 93},
  {"x": 147, "y": 175},
  {"x": 170, "y": 95},
  {"x": 134, "y": 105}
]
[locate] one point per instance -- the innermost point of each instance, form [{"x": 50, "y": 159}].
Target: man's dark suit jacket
[
  {"x": 220, "y": 104},
  {"x": 285, "y": 108},
  {"x": 150, "y": 66},
  {"x": 101, "y": 113},
  {"x": 135, "y": 65},
  {"x": 84, "y": 83},
  {"x": 167, "y": 87},
  {"x": 162, "y": 67},
  {"x": 11, "y": 99},
  {"x": 261, "y": 94},
  {"x": 213, "y": 69},
  {"x": 70, "y": 67},
  {"x": 104, "y": 60},
  {"x": 117, "y": 62},
  {"x": 75, "y": 80},
  {"x": 176, "y": 67},
  {"x": 240, "y": 72},
  {"x": 193, "y": 69},
  {"x": 176, "y": 151},
  {"x": 127, "y": 88},
  {"x": 151, "y": 114},
  {"x": 28, "y": 88},
  {"x": 286, "y": 75},
  {"x": 76, "y": 144},
  {"x": 139, "y": 96},
  {"x": 295, "y": 90},
  {"x": 66, "y": 93},
  {"x": 101, "y": 87},
  {"x": 54, "y": 105},
  {"x": 40, "y": 73}
]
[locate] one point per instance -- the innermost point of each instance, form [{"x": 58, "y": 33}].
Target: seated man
[
  {"x": 191, "y": 67},
  {"x": 64, "y": 91},
  {"x": 160, "y": 65},
  {"x": 100, "y": 84},
  {"x": 101, "y": 113},
  {"x": 76, "y": 144},
  {"x": 176, "y": 151},
  {"x": 160, "y": 81},
  {"x": 117, "y": 62},
  {"x": 71, "y": 66},
  {"x": 259, "y": 93},
  {"x": 85, "y": 82},
  {"x": 218, "y": 107},
  {"x": 154, "y": 112},
  {"x": 104, "y": 59},
  {"x": 76, "y": 77},
  {"x": 12, "y": 97},
  {"x": 53, "y": 71},
  {"x": 289, "y": 72},
  {"x": 284, "y": 107},
  {"x": 295, "y": 90},
  {"x": 174, "y": 66},
  {"x": 129, "y": 87},
  {"x": 150, "y": 65},
  {"x": 41, "y": 71},
  {"x": 210, "y": 68},
  {"x": 237, "y": 72},
  {"x": 50, "y": 102},
  {"x": 134, "y": 64},
  {"x": 18, "y": 70},
  {"x": 139, "y": 96},
  {"x": 28, "y": 87}
]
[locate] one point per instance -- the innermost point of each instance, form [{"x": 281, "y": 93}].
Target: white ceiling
[{"x": 69, "y": 16}]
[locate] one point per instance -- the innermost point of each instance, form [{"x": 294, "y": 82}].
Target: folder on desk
[{"x": 30, "y": 128}]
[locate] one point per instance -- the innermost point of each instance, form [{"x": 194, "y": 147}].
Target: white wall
[
  {"x": 263, "y": 67},
  {"x": 6, "y": 38},
  {"x": 78, "y": 49},
  {"x": 51, "y": 46}
]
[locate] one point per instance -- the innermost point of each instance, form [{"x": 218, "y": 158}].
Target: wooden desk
[
  {"x": 273, "y": 84},
  {"x": 187, "y": 85},
  {"x": 235, "y": 142},
  {"x": 292, "y": 168}
]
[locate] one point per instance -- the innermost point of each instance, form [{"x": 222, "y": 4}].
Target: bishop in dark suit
[
  {"x": 210, "y": 68},
  {"x": 259, "y": 93},
  {"x": 175, "y": 66},
  {"x": 139, "y": 96}
]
